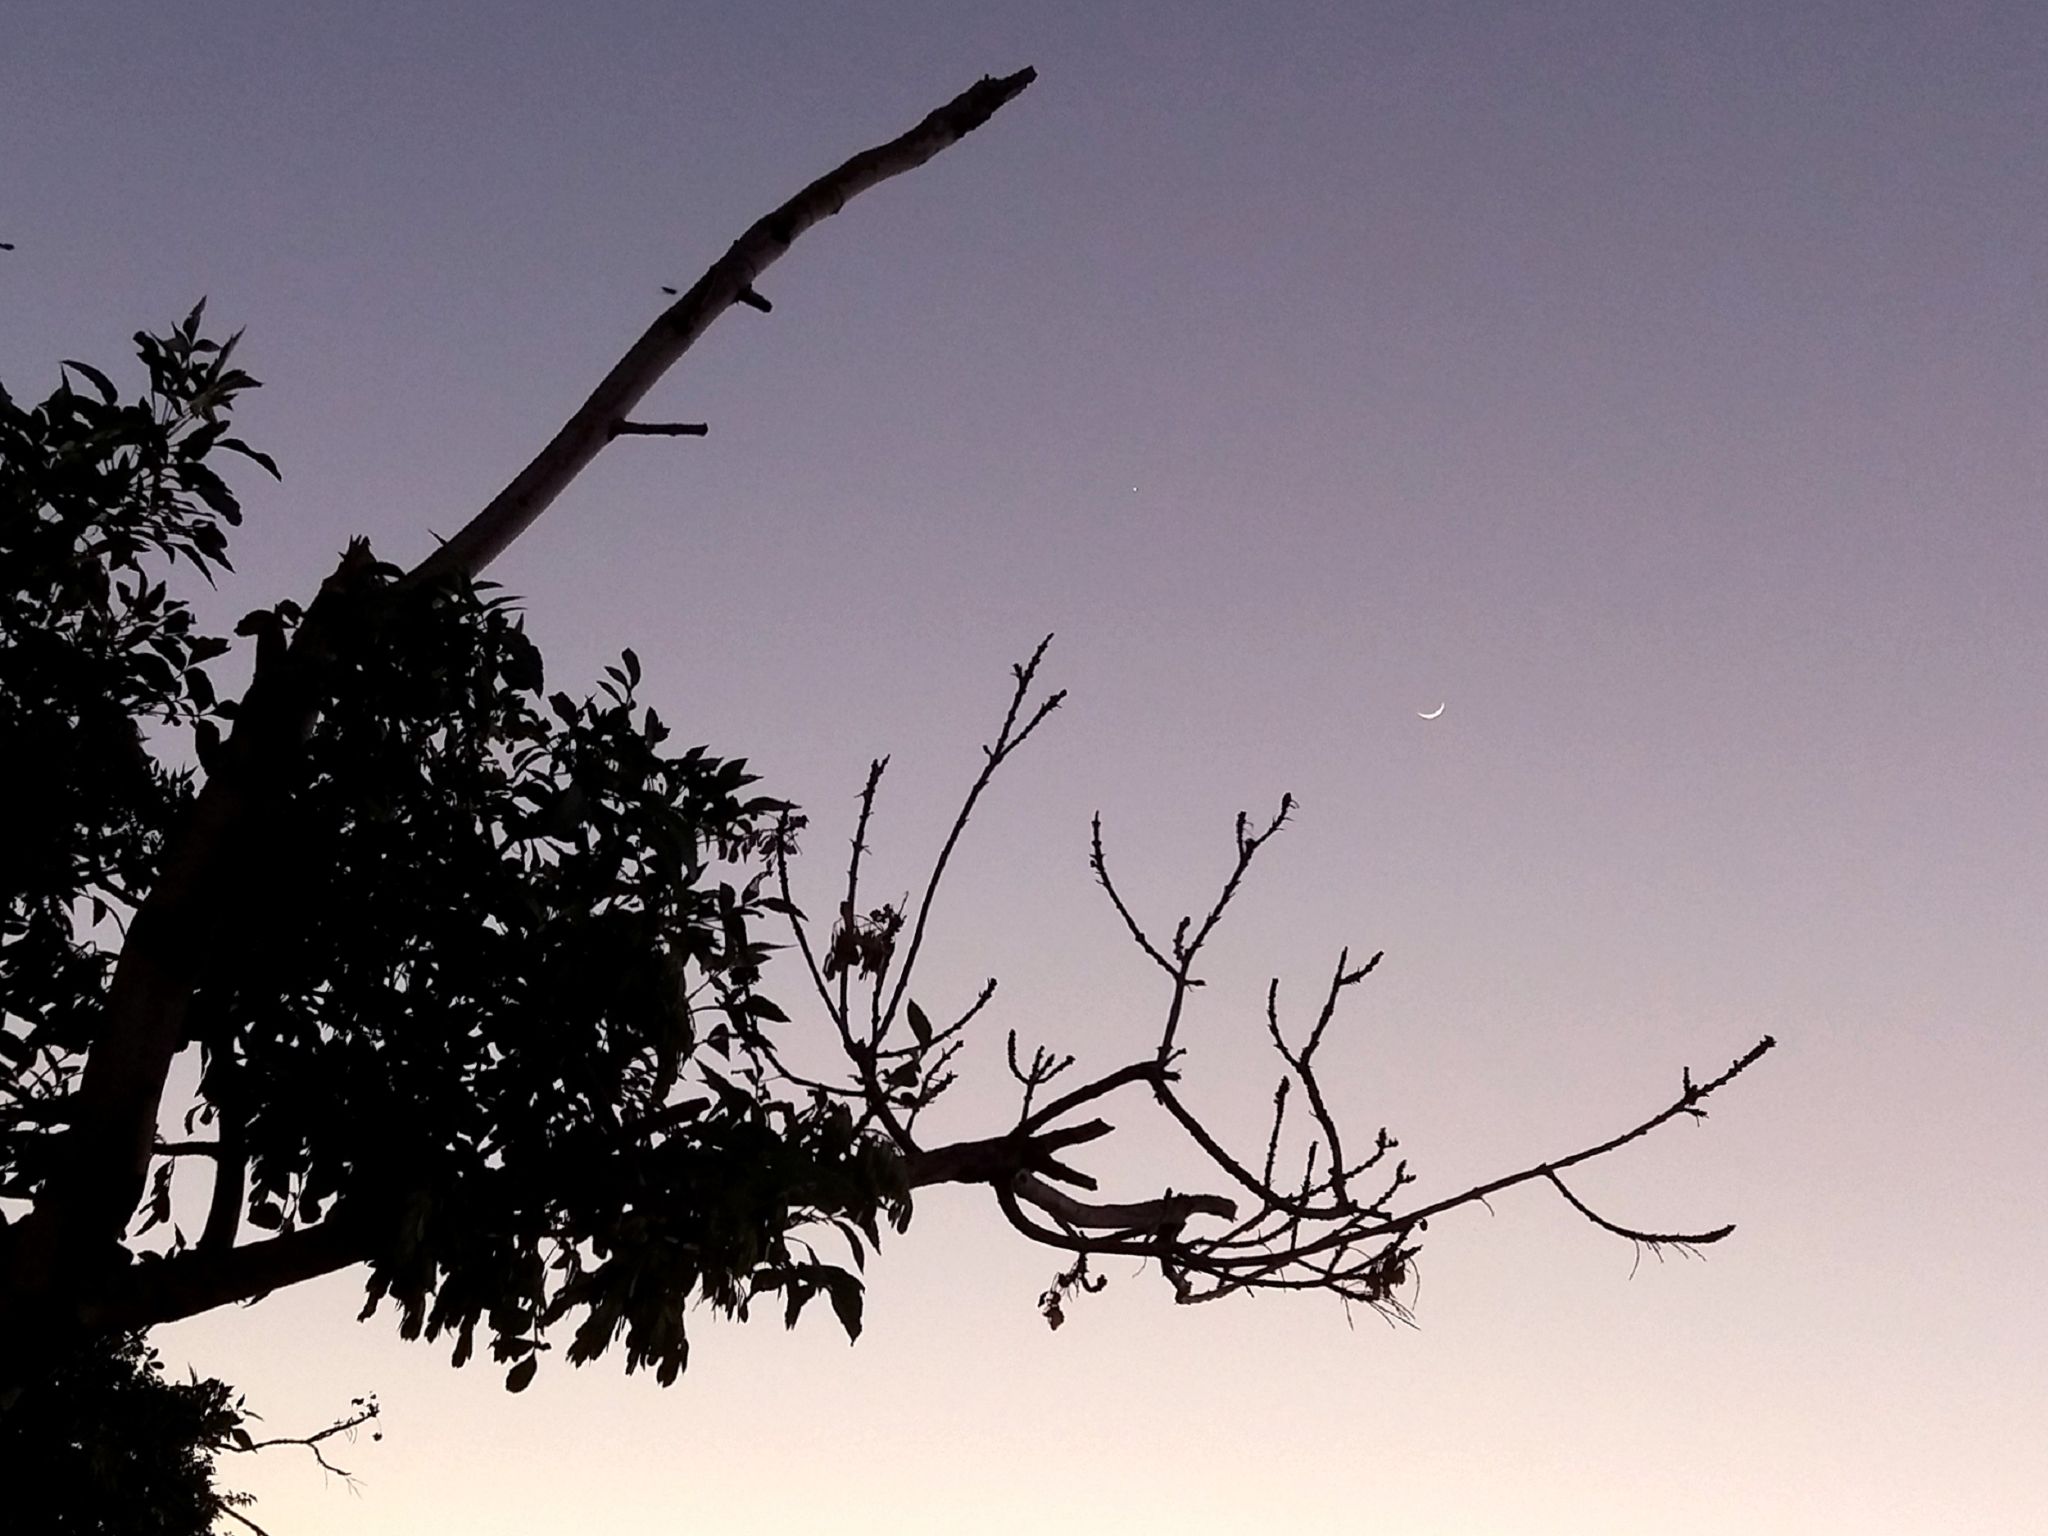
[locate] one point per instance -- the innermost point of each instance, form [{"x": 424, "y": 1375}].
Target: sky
[{"x": 1657, "y": 387}]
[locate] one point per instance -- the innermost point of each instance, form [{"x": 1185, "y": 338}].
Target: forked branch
[{"x": 1307, "y": 1216}]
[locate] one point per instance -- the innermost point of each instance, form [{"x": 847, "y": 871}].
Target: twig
[
  {"x": 367, "y": 1410},
  {"x": 1686, "y": 1103},
  {"x": 1005, "y": 744}
]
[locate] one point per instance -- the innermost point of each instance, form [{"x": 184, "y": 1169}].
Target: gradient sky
[{"x": 1661, "y": 387}]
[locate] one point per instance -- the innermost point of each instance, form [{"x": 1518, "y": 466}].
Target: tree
[
  {"x": 130, "y": 1450},
  {"x": 115, "y": 1448},
  {"x": 474, "y": 972}
]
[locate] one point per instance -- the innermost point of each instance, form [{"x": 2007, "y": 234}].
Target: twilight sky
[{"x": 1661, "y": 387}]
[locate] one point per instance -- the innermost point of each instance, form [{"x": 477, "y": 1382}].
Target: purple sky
[{"x": 1659, "y": 387}]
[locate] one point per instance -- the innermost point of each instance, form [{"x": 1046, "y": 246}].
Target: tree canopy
[{"x": 477, "y": 975}]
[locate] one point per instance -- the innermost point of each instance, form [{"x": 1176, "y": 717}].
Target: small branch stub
[{"x": 659, "y": 428}]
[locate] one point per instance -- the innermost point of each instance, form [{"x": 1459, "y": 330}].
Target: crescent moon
[{"x": 1434, "y": 712}]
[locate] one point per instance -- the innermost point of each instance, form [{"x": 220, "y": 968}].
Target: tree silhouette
[{"x": 474, "y": 973}]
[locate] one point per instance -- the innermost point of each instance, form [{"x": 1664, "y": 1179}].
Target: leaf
[
  {"x": 159, "y": 1198},
  {"x": 632, "y": 665},
  {"x": 267, "y": 1215},
  {"x": 920, "y": 1026},
  {"x": 212, "y": 490},
  {"x": 236, "y": 445},
  {"x": 521, "y": 1375},
  {"x": 522, "y": 666},
  {"x": 99, "y": 380},
  {"x": 762, "y": 1008},
  {"x": 845, "y": 1293}
]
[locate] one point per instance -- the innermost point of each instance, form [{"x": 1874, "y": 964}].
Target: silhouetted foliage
[
  {"x": 96, "y": 495},
  {"x": 479, "y": 930},
  {"x": 106, "y": 1445},
  {"x": 472, "y": 971}
]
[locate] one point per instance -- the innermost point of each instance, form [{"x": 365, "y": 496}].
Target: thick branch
[
  {"x": 998, "y": 1159},
  {"x": 230, "y": 1179},
  {"x": 729, "y": 280},
  {"x": 1166, "y": 1213},
  {"x": 1136, "y": 1072},
  {"x": 81, "y": 1214},
  {"x": 161, "y": 1290}
]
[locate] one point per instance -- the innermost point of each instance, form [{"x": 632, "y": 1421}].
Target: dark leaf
[
  {"x": 100, "y": 381},
  {"x": 844, "y": 1291},
  {"x": 236, "y": 445}
]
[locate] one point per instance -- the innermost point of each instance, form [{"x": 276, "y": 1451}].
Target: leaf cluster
[
  {"x": 487, "y": 989},
  {"x": 119, "y": 1448},
  {"x": 98, "y": 496}
]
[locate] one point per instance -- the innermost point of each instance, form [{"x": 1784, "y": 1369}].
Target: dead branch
[{"x": 729, "y": 280}]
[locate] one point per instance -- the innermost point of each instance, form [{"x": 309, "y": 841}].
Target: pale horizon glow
[{"x": 1663, "y": 383}]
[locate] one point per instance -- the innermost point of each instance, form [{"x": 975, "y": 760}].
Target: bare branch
[
  {"x": 1654, "y": 1239},
  {"x": 1687, "y": 1103},
  {"x": 997, "y": 1159},
  {"x": 726, "y": 282},
  {"x": 1184, "y": 949},
  {"x": 179, "y": 1285},
  {"x": 1073, "y": 1099},
  {"x": 366, "y": 1412},
  {"x": 1319, "y": 1233},
  {"x": 849, "y": 914},
  {"x": 1166, "y": 1213},
  {"x": 1005, "y": 744},
  {"x": 187, "y": 1149},
  {"x": 233, "y": 1513},
  {"x": 1097, "y": 863},
  {"x": 785, "y": 835},
  {"x": 230, "y": 1175}
]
